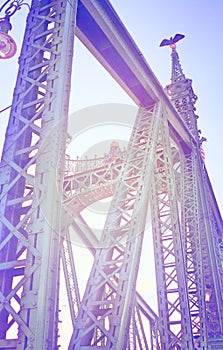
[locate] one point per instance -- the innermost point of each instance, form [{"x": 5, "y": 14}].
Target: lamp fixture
[{"x": 8, "y": 46}]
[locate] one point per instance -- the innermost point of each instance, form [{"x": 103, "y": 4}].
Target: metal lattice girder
[
  {"x": 147, "y": 333},
  {"x": 211, "y": 262},
  {"x": 141, "y": 335},
  {"x": 70, "y": 276},
  {"x": 30, "y": 211},
  {"x": 137, "y": 338},
  {"x": 200, "y": 221},
  {"x": 169, "y": 260},
  {"x": 80, "y": 174},
  {"x": 78, "y": 187},
  {"x": 105, "y": 312},
  {"x": 201, "y": 249},
  {"x": 191, "y": 236},
  {"x": 200, "y": 245},
  {"x": 30, "y": 172}
]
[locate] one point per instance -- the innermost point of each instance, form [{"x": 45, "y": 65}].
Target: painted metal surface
[
  {"x": 163, "y": 163},
  {"x": 30, "y": 205}
]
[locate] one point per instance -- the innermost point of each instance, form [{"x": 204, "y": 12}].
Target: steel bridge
[{"x": 160, "y": 174}]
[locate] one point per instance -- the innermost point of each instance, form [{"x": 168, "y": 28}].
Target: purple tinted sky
[{"x": 149, "y": 22}]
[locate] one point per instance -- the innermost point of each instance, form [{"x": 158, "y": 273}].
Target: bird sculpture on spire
[{"x": 172, "y": 41}]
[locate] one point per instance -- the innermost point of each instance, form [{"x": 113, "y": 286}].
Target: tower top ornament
[{"x": 172, "y": 41}]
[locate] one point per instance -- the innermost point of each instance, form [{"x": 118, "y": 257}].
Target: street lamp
[{"x": 7, "y": 43}]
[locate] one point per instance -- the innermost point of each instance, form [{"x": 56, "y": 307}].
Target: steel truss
[
  {"x": 105, "y": 311},
  {"x": 158, "y": 168},
  {"x": 171, "y": 285},
  {"x": 31, "y": 169},
  {"x": 200, "y": 232},
  {"x": 144, "y": 328}
]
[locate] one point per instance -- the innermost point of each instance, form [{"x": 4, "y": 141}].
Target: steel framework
[{"x": 43, "y": 194}]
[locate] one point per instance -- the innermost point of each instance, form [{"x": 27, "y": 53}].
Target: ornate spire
[
  {"x": 180, "y": 90},
  {"x": 177, "y": 72}
]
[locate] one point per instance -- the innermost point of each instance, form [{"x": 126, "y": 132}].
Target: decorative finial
[{"x": 172, "y": 41}]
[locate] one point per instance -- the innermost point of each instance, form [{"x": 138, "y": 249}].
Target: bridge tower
[
  {"x": 201, "y": 234},
  {"x": 161, "y": 173}
]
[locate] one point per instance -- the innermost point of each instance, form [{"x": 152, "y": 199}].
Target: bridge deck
[{"x": 100, "y": 29}]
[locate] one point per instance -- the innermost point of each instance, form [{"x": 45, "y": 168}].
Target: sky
[{"x": 148, "y": 22}]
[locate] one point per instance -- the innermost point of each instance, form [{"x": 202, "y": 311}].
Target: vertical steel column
[
  {"x": 211, "y": 262},
  {"x": 203, "y": 268},
  {"x": 31, "y": 179},
  {"x": 106, "y": 308},
  {"x": 192, "y": 243},
  {"x": 169, "y": 259}
]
